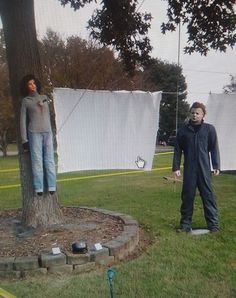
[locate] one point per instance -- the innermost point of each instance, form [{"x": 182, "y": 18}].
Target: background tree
[
  {"x": 77, "y": 63},
  {"x": 7, "y": 125},
  {"x": 93, "y": 67},
  {"x": 129, "y": 36},
  {"x": 164, "y": 76},
  {"x": 210, "y": 24},
  {"x": 54, "y": 58}
]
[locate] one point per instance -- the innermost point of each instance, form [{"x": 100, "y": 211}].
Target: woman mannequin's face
[{"x": 32, "y": 86}]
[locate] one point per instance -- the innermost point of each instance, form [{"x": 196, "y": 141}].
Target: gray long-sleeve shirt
[{"x": 35, "y": 115}]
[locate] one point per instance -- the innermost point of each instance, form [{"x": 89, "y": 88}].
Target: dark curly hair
[
  {"x": 198, "y": 105},
  {"x": 24, "y": 84}
]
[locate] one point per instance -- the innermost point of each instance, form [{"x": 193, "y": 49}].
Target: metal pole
[{"x": 177, "y": 86}]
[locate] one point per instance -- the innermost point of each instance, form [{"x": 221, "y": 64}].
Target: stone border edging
[{"x": 63, "y": 263}]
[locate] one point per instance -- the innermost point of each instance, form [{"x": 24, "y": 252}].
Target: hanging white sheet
[
  {"x": 105, "y": 129},
  {"x": 221, "y": 112}
]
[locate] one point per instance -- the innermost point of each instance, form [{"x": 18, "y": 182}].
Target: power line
[
  {"x": 140, "y": 5},
  {"x": 187, "y": 93},
  {"x": 207, "y": 71}
]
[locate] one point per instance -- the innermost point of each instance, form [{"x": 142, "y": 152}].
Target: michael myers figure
[{"x": 197, "y": 141}]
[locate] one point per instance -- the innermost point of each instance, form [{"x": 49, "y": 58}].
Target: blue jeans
[{"x": 42, "y": 159}]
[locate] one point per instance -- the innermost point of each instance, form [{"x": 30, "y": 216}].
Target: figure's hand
[
  {"x": 25, "y": 147},
  {"x": 216, "y": 172},
  {"x": 177, "y": 173}
]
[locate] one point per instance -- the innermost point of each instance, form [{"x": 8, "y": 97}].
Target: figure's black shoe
[
  {"x": 214, "y": 230},
  {"x": 39, "y": 193},
  {"x": 52, "y": 192},
  {"x": 184, "y": 230}
]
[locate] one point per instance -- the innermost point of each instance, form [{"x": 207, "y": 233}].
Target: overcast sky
[{"x": 203, "y": 74}]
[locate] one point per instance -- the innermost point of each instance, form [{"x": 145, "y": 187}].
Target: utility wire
[
  {"x": 207, "y": 71},
  {"x": 140, "y": 5},
  {"x": 75, "y": 105}
]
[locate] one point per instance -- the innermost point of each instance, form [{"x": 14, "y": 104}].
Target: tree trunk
[{"x": 23, "y": 58}]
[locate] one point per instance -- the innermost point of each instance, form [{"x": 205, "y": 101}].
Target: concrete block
[
  {"x": 34, "y": 273},
  {"x": 49, "y": 260},
  {"x": 99, "y": 254},
  {"x": 95, "y": 209},
  {"x": 60, "y": 269},
  {"x": 129, "y": 220},
  {"x": 132, "y": 232},
  {"x": 10, "y": 274},
  {"x": 77, "y": 259},
  {"x": 129, "y": 244},
  {"x": 26, "y": 263},
  {"x": 112, "y": 213},
  {"x": 105, "y": 211},
  {"x": 116, "y": 249},
  {"x": 106, "y": 261},
  {"x": 6, "y": 264},
  {"x": 84, "y": 267},
  {"x": 131, "y": 229}
]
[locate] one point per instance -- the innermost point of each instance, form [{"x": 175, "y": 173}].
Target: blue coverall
[{"x": 197, "y": 145}]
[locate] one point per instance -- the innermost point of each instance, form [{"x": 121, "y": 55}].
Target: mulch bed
[{"x": 79, "y": 225}]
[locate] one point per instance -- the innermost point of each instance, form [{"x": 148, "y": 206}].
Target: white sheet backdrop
[
  {"x": 105, "y": 129},
  {"x": 221, "y": 112}
]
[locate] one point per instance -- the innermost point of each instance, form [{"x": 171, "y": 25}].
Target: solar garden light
[{"x": 110, "y": 276}]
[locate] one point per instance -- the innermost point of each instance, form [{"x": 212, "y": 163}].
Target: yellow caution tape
[
  {"x": 93, "y": 176},
  {"x": 5, "y": 294}
]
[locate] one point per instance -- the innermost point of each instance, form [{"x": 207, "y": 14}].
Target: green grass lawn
[{"x": 176, "y": 265}]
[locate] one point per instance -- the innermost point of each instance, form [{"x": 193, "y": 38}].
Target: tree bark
[{"x": 23, "y": 58}]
